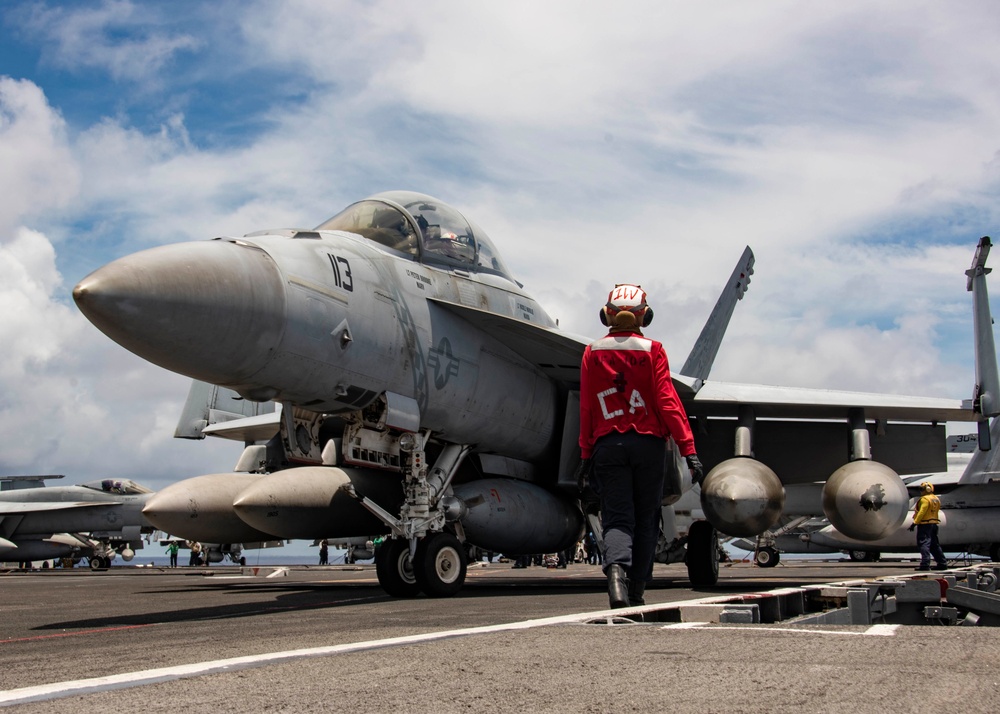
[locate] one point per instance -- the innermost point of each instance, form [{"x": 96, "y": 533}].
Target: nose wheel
[{"x": 438, "y": 568}]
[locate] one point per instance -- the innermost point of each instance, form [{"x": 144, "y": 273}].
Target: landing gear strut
[{"x": 422, "y": 555}]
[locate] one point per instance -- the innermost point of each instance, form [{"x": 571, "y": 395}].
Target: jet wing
[
  {"x": 557, "y": 354},
  {"x": 722, "y": 399},
  {"x": 256, "y": 428},
  {"x": 18, "y": 508}
]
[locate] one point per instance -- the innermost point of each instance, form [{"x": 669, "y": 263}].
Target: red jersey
[{"x": 625, "y": 385}]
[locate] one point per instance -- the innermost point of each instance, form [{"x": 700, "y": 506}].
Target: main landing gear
[
  {"x": 437, "y": 568},
  {"x": 424, "y": 555},
  {"x": 702, "y": 555}
]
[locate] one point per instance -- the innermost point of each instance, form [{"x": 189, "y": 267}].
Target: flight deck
[{"x": 310, "y": 638}]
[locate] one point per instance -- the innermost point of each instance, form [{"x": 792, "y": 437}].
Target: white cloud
[
  {"x": 111, "y": 36},
  {"x": 70, "y": 401},
  {"x": 37, "y": 172},
  {"x": 594, "y": 143}
]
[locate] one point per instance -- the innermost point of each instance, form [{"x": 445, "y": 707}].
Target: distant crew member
[
  {"x": 195, "y": 558},
  {"x": 324, "y": 551},
  {"x": 628, "y": 408},
  {"x": 926, "y": 520},
  {"x": 172, "y": 551}
]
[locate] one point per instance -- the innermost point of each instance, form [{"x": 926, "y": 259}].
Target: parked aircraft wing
[
  {"x": 723, "y": 398},
  {"x": 21, "y": 508},
  {"x": 208, "y": 404},
  {"x": 256, "y": 428}
]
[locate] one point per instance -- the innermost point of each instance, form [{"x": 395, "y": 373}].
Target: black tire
[
  {"x": 441, "y": 564},
  {"x": 995, "y": 552},
  {"x": 97, "y": 563},
  {"x": 768, "y": 557},
  {"x": 702, "y": 555},
  {"x": 394, "y": 570},
  {"x": 864, "y": 556}
]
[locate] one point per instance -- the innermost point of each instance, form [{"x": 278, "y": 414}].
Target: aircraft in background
[
  {"x": 970, "y": 514},
  {"x": 425, "y": 394},
  {"x": 98, "y": 520},
  {"x": 794, "y": 533}
]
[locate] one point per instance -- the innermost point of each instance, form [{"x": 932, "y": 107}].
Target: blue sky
[{"x": 853, "y": 145}]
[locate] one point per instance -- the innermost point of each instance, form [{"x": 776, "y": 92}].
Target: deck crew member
[
  {"x": 926, "y": 520},
  {"x": 628, "y": 408}
]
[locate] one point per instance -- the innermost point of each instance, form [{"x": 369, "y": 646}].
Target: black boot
[
  {"x": 636, "y": 589},
  {"x": 617, "y": 586}
]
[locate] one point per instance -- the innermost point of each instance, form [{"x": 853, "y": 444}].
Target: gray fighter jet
[
  {"x": 426, "y": 395},
  {"x": 97, "y": 520}
]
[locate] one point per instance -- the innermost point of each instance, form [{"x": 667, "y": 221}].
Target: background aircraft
[
  {"x": 970, "y": 512},
  {"x": 426, "y": 394},
  {"x": 97, "y": 520}
]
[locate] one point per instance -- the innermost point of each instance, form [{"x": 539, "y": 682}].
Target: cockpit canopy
[
  {"x": 117, "y": 486},
  {"x": 421, "y": 227}
]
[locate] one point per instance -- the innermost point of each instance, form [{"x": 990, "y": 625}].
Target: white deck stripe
[
  {"x": 872, "y": 631},
  {"x": 58, "y": 690}
]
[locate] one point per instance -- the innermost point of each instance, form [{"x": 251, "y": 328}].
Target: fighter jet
[
  {"x": 426, "y": 395},
  {"x": 98, "y": 520}
]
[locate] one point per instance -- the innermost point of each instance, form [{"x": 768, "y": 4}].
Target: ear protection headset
[{"x": 643, "y": 313}]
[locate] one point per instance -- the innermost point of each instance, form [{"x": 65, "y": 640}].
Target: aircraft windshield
[
  {"x": 429, "y": 228},
  {"x": 376, "y": 221},
  {"x": 118, "y": 486}
]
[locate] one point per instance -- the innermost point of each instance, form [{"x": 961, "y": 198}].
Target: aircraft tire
[
  {"x": 441, "y": 565},
  {"x": 394, "y": 570},
  {"x": 768, "y": 557},
  {"x": 97, "y": 563},
  {"x": 702, "y": 555},
  {"x": 864, "y": 556}
]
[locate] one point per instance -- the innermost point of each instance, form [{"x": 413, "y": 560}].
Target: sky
[{"x": 852, "y": 145}]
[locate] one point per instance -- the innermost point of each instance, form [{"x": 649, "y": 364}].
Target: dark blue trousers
[
  {"x": 628, "y": 476},
  {"x": 927, "y": 541}
]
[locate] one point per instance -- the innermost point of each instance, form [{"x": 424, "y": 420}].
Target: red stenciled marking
[
  {"x": 496, "y": 494},
  {"x": 74, "y": 634},
  {"x": 628, "y": 292}
]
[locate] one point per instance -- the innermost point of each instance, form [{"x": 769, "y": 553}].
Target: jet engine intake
[
  {"x": 865, "y": 500},
  {"x": 742, "y": 497}
]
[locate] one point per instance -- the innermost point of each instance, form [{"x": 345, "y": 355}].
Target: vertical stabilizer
[
  {"x": 699, "y": 362},
  {"x": 984, "y": 466},
  {"x": 208, "y": 404},
  {"x": 986, "y": 397}
]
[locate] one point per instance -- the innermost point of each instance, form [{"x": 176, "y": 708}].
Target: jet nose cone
[
  {"x": 212, "y": 310},
  {"x": 201, "y": 509}
]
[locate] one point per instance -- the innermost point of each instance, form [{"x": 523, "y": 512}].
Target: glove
[
  {"x": 697, "y": 470},
  {"x": 912, "y": 526}
]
